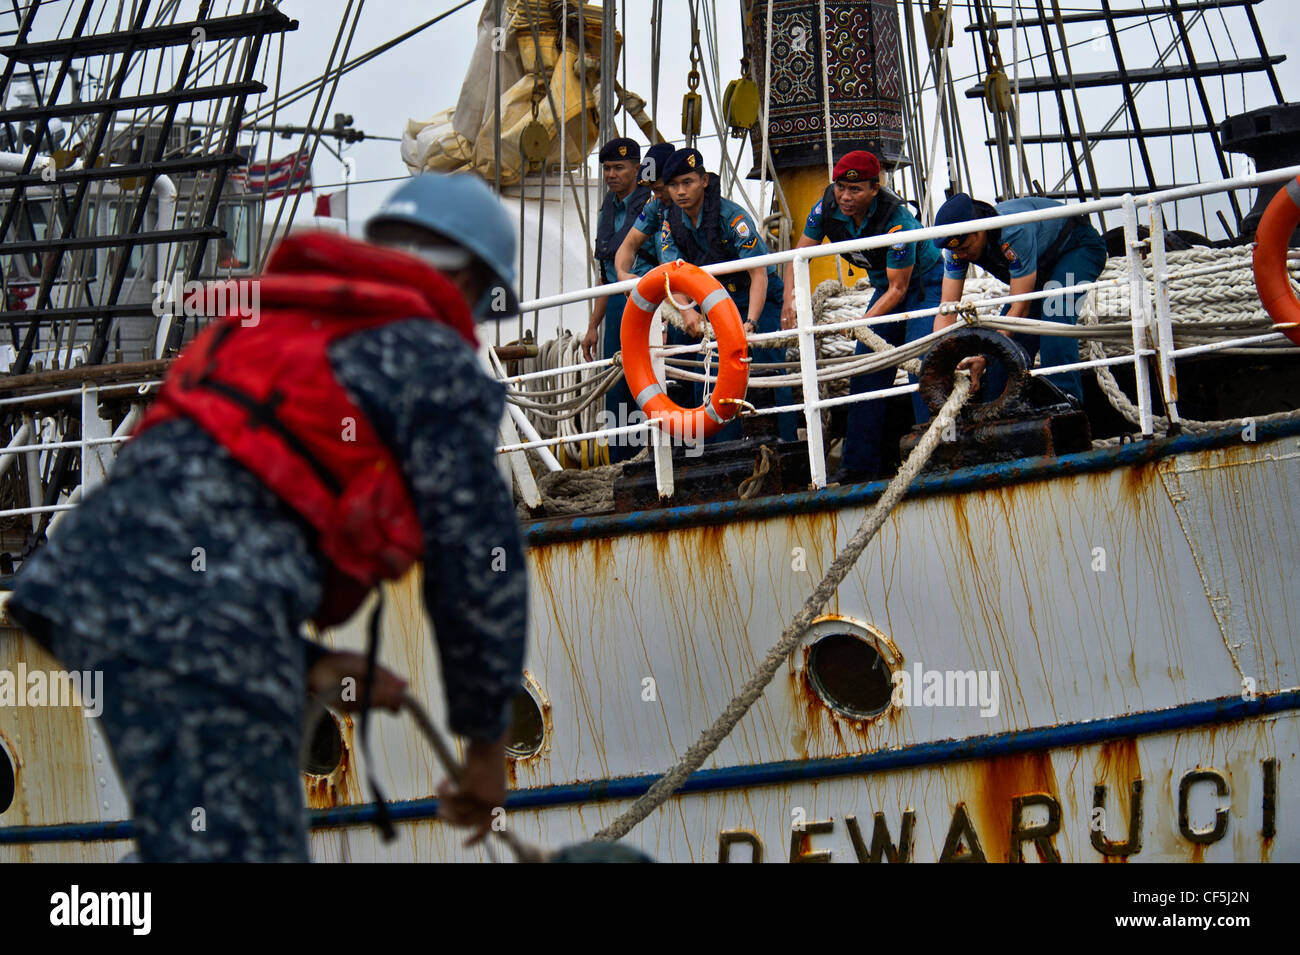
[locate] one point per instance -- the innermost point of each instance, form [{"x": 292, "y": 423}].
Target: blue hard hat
[
  {"x": 463, "y": 210},
  {"x": 960, "y": 208}
]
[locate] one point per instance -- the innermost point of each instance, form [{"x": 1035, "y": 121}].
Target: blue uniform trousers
[
  {"x": 1083, "y": 260},
  {"x": 866, "y": 419}
]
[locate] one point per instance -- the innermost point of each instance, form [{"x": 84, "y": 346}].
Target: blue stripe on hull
[
  {"x": 977, "y": 478},
  {"x": 1207, "y": 713}
]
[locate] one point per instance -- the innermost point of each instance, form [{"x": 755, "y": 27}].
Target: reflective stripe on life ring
[
  {"x": 1271, "y": 276},
  {"x": 733, "y": 369}
]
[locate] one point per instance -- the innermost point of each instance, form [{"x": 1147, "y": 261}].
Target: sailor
[
  {"x": 906, "y": 277},
  {"x": 292, "y": 460},
  {"x": 620, "y": 161},
  {"x": 703, "y": 228},
  {"x": 639, "y": 252},
  {"x": 1053, "y": 253}
]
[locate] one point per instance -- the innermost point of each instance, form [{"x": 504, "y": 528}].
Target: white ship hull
[{"x": 1133, "y": 602}]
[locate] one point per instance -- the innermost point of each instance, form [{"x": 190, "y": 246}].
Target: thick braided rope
[{"x": 667, "y": 784}]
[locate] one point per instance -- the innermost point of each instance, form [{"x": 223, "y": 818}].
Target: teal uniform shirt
[
  {"x": 651, "y": 220},
  {"x": 1020, "y": 243},
  {"x": 920, "y": 256},
  {"x": 608, "y": 273},
  {"x": 736, "y": 226}
]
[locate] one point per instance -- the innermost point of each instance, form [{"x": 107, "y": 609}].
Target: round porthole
[
  {"x": 851, "y": 667},
  {"x": 7, "y": 782},
  {"x": 527, "y": 725},
  {"x": 324, "y": 751}
]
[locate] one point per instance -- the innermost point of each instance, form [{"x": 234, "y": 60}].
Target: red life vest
[{"x": 263, "y": 387}]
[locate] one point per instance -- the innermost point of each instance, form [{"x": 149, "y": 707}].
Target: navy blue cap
[
  {"x": 621, "y": 149},
  {"x": 683, "y": 161},
  {"x": 960, "y": 208},
  {"x": 656, "y": 158}
]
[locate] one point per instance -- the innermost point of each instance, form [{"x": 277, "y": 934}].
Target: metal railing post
[
  {"x": 21, "y": 437},
  {"x": 661, "y": 444},
  {"x": 808, "y": 370},
  {"x": 1164, "y": 320},
  {"x": 1139, "y": 308},
  {"x": 95, "y": 458}
]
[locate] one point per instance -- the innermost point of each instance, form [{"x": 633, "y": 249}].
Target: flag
[
  {"x": 280, "y": 177},
  {"x": 333, "y": 204}
]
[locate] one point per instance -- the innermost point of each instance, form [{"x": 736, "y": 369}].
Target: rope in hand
[
  {"x": 667, "y": 784},
  {"x": 523, "y": 852}
]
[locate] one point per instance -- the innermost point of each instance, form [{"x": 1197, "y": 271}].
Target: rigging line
[
  {"x": 767, "y": 107},
  {"x": 1038, "y": 56},
  {"x": 311, "y": 120},
  {"x": 306, "y": 89},
  {"x": 826, "y": 112},
  {"x": 717, "y": 124},
  {"x": 1021, "y": 168},
  {"x": 934, "y": 136},
  {"x": 656, "y": 44},
  {"x": 496, "y": 111},
  {"x": 1078, "y": 109},
  {"x": 978, "y": 46},
  {"x": 561, "y": 67},
  {"x": 1160, "y": 61},
  {"x": 710, "y": 46},
  {"x": 1235, "y": 55},
  {"x": 264, "y": 249},
  {"x": 960, "y": 134},
  {"x": 564, "y": 173},
  {"x": 826, "y": 93},
  {"x": 921, "y": 173},
  {"x": 623, "y": 57},
  {"x": 585, "y": 210}
]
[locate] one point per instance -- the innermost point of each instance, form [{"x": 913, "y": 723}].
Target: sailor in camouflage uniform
[{"x": 247, "y": 504}]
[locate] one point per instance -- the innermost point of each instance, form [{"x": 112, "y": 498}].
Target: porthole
[
  {"x": 324, "y": 751},
  {"x": 851, "y": 668},
  {"x": 527, "y": 726},
  {"x": 7, "y": 782}
]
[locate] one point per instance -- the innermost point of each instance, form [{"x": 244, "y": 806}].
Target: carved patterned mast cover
[{"x": 863, "y": 66}]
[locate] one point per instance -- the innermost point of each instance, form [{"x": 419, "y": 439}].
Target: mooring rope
[{"x": 667, "y": 784}]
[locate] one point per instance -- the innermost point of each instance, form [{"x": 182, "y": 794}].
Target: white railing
[
  {"x": 1151, "y": 322},
  {"x": 1151, "y": 326}
]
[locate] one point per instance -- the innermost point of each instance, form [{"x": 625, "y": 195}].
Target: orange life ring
[
  {"x": 1271, "y": 275},
  {"x": 733, "y": 350}
]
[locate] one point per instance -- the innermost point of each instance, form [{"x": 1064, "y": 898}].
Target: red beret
[{"x": 857, "y": 166}]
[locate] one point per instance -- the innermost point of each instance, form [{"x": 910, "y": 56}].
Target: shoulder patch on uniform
[
  {"x": 741, "y": 226},
  {"x": 1009, "y": 252},
  {"x": 750, "y": 244},
  {"x": 817, "y": 209}
]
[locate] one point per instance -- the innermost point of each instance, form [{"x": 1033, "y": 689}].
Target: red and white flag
[
  {"x": 280, "y": 177},
  {"x": 333, "y": 204}
]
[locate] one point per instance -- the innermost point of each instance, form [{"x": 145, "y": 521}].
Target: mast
[{"x": 860, "y": 87}]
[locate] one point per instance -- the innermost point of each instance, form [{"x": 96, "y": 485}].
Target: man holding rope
[{"x": 292, "y": 461}]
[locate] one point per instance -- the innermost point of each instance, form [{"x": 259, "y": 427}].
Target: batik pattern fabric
[{"x": 865, "y": 78}]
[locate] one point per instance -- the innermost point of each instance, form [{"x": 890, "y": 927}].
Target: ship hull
[{"x": 1130, "y": 604}]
